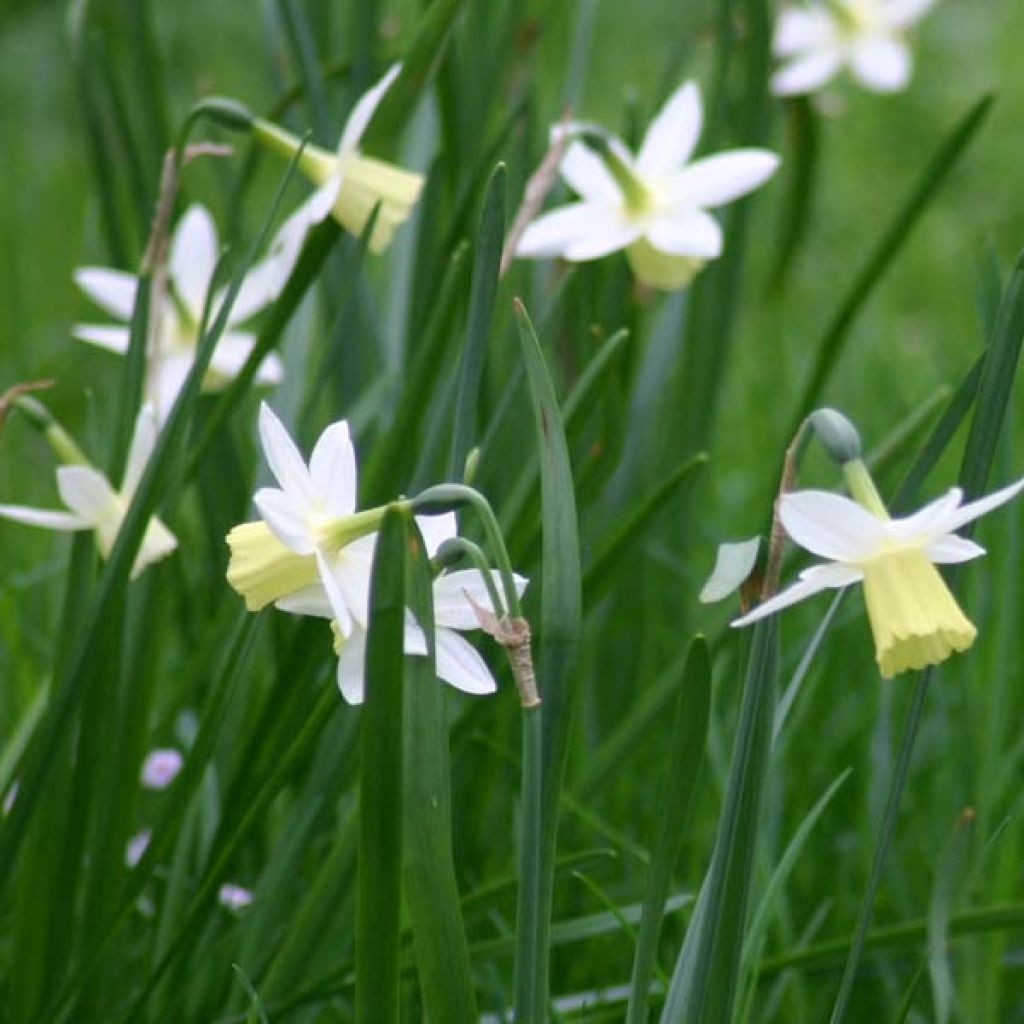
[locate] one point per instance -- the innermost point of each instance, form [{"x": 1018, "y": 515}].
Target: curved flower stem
[
  {"x": 442, "y": 497},
  {"x": 892, "y": 806}
]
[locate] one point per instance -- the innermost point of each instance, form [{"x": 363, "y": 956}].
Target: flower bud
[{"x": 837, "y": 434}]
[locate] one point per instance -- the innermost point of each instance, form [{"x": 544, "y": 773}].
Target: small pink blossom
[
  {"x": 161, "y": 768},
  {"x": 234, "y": 897}
]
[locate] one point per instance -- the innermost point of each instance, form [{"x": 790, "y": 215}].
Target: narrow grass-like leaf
[
  {"x": 379, "y": 878},
  {"x": 689, "y": 738},
  {"x": 703, "y": 985},
  {"x": 546, "y": 729},
  {"x": 429, "y": 43},
  {"x": 830, "y": 348},
  {"x": 486, "y": 260},
  {"x": 945, "y": 889},
  {"x": 428, "y": 868}
]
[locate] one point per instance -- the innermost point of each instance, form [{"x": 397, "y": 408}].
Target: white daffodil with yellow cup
[
  {"x": 653, "y": 204},
  {"x": 915, "y": 619},
  {"x": 868, "y": 37},
  {"x": 350, "y": 184},
  {"x": 92, "y": 502}
]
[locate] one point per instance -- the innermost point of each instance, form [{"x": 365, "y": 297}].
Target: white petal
[
  {"x": 931, "y": 521},
  {"x": 157, "y": 542},
  {"x": 608, "y": 232},
  {"x": 288, "y": 520},
  {"x": 903, "y": 13},
  {"x": 284, "y": 459},
  {"x": 332, "y": 469},
  {"x": 414, "y": 640},
  {"x": 672, "y": 136},
  {"x": 87, "y": 492},
  {"x": 721, "y": 179},
  {"x": 351, "y": 660},
  {"x": 353, "y": 569},
  {"x": 881, "y": 63},
  {"x": 687, "y": 232},
  {"x": 812, "y": 581},
  {"x": 270, "y": 371},
  {"x": 973, "y": 509},
  {"x": 342, "y": 615},
  {"x": 320, "y": 204},
  {"x": 585, "y": 173},
  {"x": 798, "y": 29},
  {"x": 949, "y": 550},
  {"x": 165, "y": 381},
  {"x": 453, "y": 608},
  {"x": 831, "y": 526},
  {"x": 552, "y": 233},
  {"x": 114, "y": 339},
  {"x": 232, "y": 352},
  {"x": 44, "y": 517},
  {"x": 113, "y": 290},
  {"x": 436, "y": 530},
  {"x": 311, "y": 600},
  {"x": 458, "y": 663},
  {"x": 363, "y": 111},
  {"x": 807, "y": 73},
  {"x": 193, "y": 258},
  {"x": 141, "y": 448}
]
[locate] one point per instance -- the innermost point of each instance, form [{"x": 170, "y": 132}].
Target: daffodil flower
[
  {"x": 867, "y": 36},
  {"x": 914, "y": 617},
  {"x": 654, "y": 204},
  {"x": 95, "y": 505},
  {"x": 311, "y": 534},
  {"x": 177, "y": 316},
  {"x": 456, "y": 598},
  {"x": 349, "y": 183}
]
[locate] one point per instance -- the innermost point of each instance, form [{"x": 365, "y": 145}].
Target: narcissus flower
[
  {"x": 456, "y": 661},
  {"x": 311, "y": 534},
  {"x": 654, "y": 204},
  {"x": 349, "y": 183},
  {"x": 175, "y": 321},
  {"x": 866, "y": 36},
  {"x": 95, "y": 505},
  {"x": 914, "y": 617}
]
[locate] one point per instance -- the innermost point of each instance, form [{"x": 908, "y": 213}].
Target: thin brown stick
[{"x": 777, "y": 540}]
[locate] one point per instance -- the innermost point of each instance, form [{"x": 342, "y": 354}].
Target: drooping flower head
[
  {"x": 653, "y": 204},
  {"x": 349, "y": 183},
  {"x": 176, "y": 317},
  {"x": 868, "y": 37},
  {"x": 914, "y": 617},
  {"x": 95, "y": 505}
]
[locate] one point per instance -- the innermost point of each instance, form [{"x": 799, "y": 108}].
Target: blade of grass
[
  {"x": 546, "y": 728},
  {"x": 428, "y": 867},
  {"x": 379, "y": 873},
  {"x": 689, "y": 738}
]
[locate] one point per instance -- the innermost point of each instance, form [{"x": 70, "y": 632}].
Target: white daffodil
[
  {"x": 177, "y": 316},
  {"x": 867, "y": 36},
  {"x": 455, "y": 594},
  {"x": 654, "y": 204},
  {"x": 311, "y": 534},
  {"x": 914, "y": 617},
  {"x": 350, "y": 184},
  {"x": 95, "y": 505}
]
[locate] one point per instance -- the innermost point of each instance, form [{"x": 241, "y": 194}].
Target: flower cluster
[{"x": 311, "y": 553}]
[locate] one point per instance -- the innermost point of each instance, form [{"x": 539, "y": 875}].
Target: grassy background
[{"x": 921, "y": 330}]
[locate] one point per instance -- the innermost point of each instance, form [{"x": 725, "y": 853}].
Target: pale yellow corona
[
  {"x": 914, "y": 617},
  {"x": 262, "y": 569}
]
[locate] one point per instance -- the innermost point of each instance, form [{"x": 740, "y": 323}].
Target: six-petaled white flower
[
  {"x": 654, "y": 204},
  {"x": 176, "y": 317},
  {"x": 867, "y": 36},
  {"x": 914, "y": 617},
  {"x": 95, "y": 505},
  {"x": 349, "y": 183}
]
